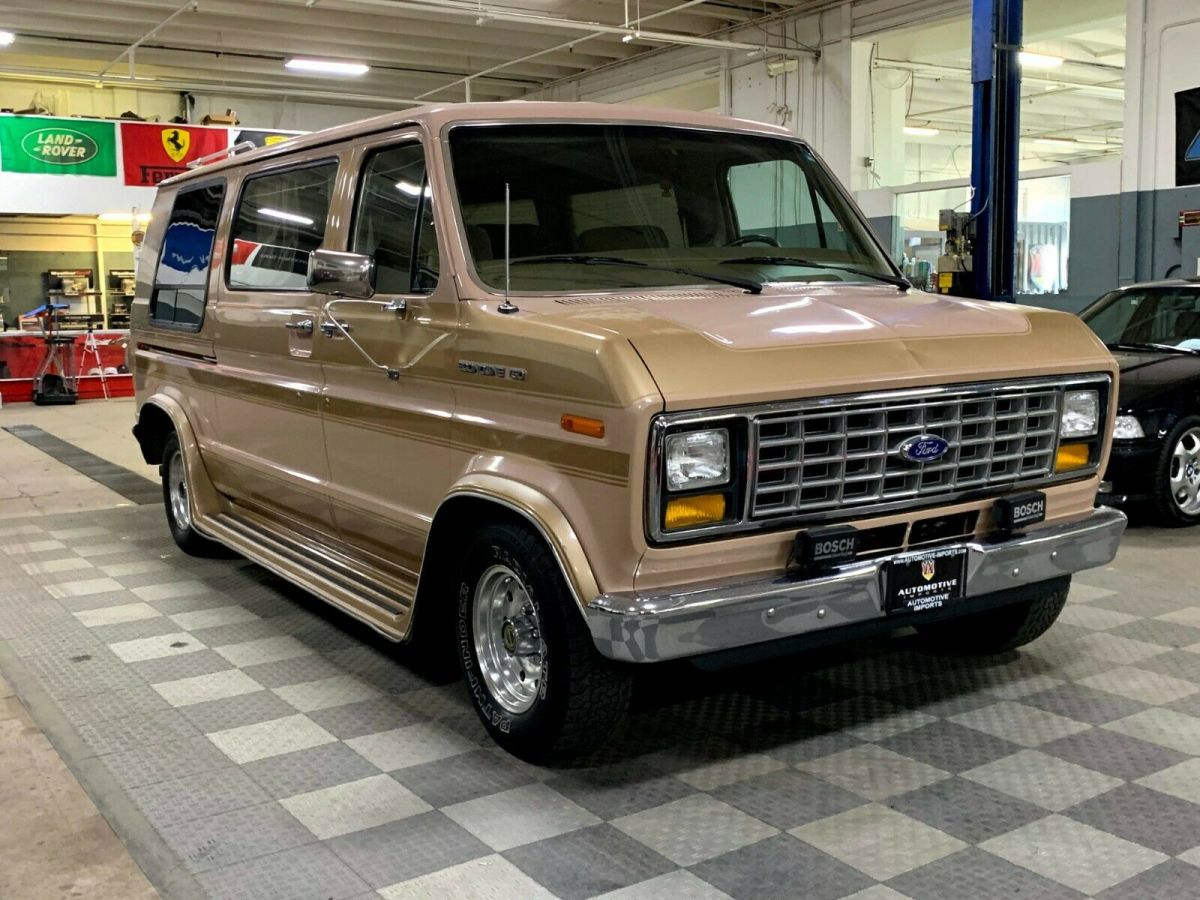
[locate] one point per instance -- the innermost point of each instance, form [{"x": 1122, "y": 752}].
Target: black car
[{"x": 1153, "y": 330}]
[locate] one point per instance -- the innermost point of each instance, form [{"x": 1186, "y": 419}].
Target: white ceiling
[{"x": 418, "y": 49}]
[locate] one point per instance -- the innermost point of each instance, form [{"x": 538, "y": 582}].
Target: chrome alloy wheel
[
  {"x": 508, "y": 639},
  {"x": 177, "y": 491},
  {"x": 1184, "y": 477}
]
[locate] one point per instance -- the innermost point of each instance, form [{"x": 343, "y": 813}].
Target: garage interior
[{"x": 182, "y": 727}]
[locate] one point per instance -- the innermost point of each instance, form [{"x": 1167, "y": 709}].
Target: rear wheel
[
  {"x": 177, "y": 500},
  {"x": 1177, "y": 478},
  {"x": 999, "y": 630},
  {"x": 533, "y": 674}
]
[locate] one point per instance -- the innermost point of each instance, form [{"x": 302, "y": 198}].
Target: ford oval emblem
[{"x": 924, "y": 448}]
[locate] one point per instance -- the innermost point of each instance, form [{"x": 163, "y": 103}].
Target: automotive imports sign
[
  {"x": 152, "y": 153},
  {"x": 1187, "y": 137},
  {"x": 44, "y": 146}
]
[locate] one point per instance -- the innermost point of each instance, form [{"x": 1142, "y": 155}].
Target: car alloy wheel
[
  {"x": 1184, "y": 473},
  {"x": 508, "y": 639},
  {"x": 177, "y": 491}
]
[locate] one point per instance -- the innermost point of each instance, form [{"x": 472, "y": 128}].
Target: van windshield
[{"x": 589, "y": 203}]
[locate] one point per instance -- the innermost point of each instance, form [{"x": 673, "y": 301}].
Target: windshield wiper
[
  {"x": 582, "y": 259},
  {"x": 903, "y": 283},
  {"x": 1139, "y": 345}
]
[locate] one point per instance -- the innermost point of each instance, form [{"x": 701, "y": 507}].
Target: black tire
[
  {"x": 580, "y": 696},
  {"x": 187, "y": 538},
  {"x": 1166, "y": 510},
  {"x": 998, "y": 630}
]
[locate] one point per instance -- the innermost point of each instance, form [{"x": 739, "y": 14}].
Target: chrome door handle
[
  {"x": 329, "y": 329},
  {"x": 304, "y": 326}
]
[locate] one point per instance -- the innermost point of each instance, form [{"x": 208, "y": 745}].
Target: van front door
[
  {"x": 271, "y": 454},
  {"x": 388, "y": 436}
]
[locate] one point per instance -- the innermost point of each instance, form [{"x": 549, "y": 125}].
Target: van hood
[{"x": 721, "y": 347}]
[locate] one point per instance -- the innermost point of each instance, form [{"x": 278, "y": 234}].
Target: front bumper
[{"x": 724, "y": 615}]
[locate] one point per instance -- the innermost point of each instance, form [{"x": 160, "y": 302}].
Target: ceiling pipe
[
  {"x": 190, "y": 6},
  {"x": 1104, "y": 90}
]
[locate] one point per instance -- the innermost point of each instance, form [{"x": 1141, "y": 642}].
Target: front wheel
[
  {"x": 1177, "y": 477},
  {"x": 533, "y": 674},
  {"x": 1001, "y": 629}
]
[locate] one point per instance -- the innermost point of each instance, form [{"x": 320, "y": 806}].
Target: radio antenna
[{"x": 507, "y": 306}]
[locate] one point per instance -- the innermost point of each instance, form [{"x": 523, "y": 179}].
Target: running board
[{"x": 354, "y": 587}]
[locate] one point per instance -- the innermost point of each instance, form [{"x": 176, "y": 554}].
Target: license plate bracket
[{"x": 928, "y": 580}]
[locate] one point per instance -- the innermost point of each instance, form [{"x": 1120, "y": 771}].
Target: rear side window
[
  {"x": 181, "y": 279},
  {"x": 394, "y": 221},
  {"x": 279, "y": 221}
]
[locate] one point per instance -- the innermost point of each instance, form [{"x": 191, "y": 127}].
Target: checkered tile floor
[{"x": 272, "y": 748}]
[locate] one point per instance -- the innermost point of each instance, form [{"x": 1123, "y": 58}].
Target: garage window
[
  {"x": 181, "y": 279},
  {"x": 394, "y": 221},
  {"x": 280, "y": 220}
]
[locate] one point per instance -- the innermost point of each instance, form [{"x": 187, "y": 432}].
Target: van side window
[
  {"x": 394, "y": 202},
  {"x": 181, "y": 279},
  {"x": 279, "y": 221}
]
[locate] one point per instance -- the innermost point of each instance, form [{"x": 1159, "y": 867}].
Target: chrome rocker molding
[{"x": 725, "y": 615}]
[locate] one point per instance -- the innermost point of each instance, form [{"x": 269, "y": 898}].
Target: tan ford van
[{"x": 570, "y": 389}]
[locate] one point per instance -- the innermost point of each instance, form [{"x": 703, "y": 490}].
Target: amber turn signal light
[
  {"x": 582, "y": 425},
  {"x": 1072, "y": 456},
  {"x": 684, "y": 512}
]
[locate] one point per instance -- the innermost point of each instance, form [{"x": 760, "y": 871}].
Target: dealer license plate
[{"x": 927, "y": 580}]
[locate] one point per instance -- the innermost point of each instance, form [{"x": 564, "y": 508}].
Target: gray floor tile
[
  {"x": 303, "y": 873},
  {"x": 694, "y": 829},
  {"x": 1114, "y": 754},
  {"x": 294, "y": 670},
  {"x": 972, "y": 873},
  {"x": 1171, "y": 880},
  {"x": 948, "y": 746},
  {"x": 302, "y": 771},
  {"x": 430, "y": 842},
  {"x": 1048, "y": 781},
  {"x": 234, "y": 712},
  {"x": 1144, "y": 816},
  {"x": 787, "y": 799},
  {"x": 161, "y": 762},
  {"x": 368, "y": 717},
  {"x": 969, "y": 811},
  {"x": 519, "y": 816},
  {"x": 781, "y": 867},
  {"x": 172, "y": 668},
  {"x": 466, "y": 776},
  {"x": 196, "y": 795},
  {"x": 584, "y": 863},
  {"x": 479, "y": 879},
  {"x": 1084, "y": 704},
  {"x": 231, "y": 837},
  {"x": 678, "y": 885}
]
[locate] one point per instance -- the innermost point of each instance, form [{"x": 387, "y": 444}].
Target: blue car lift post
[{"x": 996, "y": 29}]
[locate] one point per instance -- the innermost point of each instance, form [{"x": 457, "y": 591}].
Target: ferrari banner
[
  {"x": 45, "y": 146},
  {"x": 152, "y": 153}
]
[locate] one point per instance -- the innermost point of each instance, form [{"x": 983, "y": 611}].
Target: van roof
[{"x": 433, "y": 118}]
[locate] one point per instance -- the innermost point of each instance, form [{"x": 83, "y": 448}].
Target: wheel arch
[
  {"x": 481, "y": 498},
  {"x": 158, "y": 417}
]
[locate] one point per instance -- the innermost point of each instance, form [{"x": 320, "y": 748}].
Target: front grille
[{"x": 829, "y": 456}]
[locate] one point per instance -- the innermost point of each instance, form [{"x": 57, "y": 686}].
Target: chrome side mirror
[{"x": 341, "y": 274}]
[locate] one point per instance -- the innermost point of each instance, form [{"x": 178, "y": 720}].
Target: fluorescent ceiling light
[
  {"x": 6, "y": 38},
  {"x": 1060, "y": 143},
  {"x": 326, "y": 66},
  {"x": 413, "y": 190},
  {"x": 1031, "y": 60},
  {"x": 919, "y": 131},
  {"x": 284, "y": 216}
]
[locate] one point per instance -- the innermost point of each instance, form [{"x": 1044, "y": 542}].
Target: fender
[
  {"x": 545, "y": 515},
  {"x": 206, "y": 501}
]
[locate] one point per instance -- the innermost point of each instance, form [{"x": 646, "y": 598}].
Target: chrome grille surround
[{"x": 836, "y": 458}]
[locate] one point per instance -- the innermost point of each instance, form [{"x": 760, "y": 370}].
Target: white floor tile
[{"x": 354, "y": 806}]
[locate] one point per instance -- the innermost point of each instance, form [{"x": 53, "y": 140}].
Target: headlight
[
  {"x": 1081, "y": 414},
  {"x": 1127, "y": 427},
  {"x": 697, "y": 459}
]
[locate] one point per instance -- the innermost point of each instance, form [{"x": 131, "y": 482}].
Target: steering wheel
[{"x": 753, "y": 239}]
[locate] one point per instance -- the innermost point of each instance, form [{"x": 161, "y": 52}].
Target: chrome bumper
[{"x": 723, "y": 615}]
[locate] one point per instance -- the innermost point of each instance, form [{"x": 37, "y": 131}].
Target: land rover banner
[
  {"x": 45, "y": 146},
  {"x": 153, "y": 152},
  {"x": 1187, "y": 137}
]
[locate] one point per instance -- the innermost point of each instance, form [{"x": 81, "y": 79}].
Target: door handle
[
  {"x": 329, "y": 329},
  {"x": 304, "y": 326}
]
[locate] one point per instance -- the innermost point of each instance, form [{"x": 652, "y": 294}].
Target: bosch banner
[
  {"x": 152, "y": 153},
  {"x": 1187, "y": 137},
  {"x": 43, "y": 146}
]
